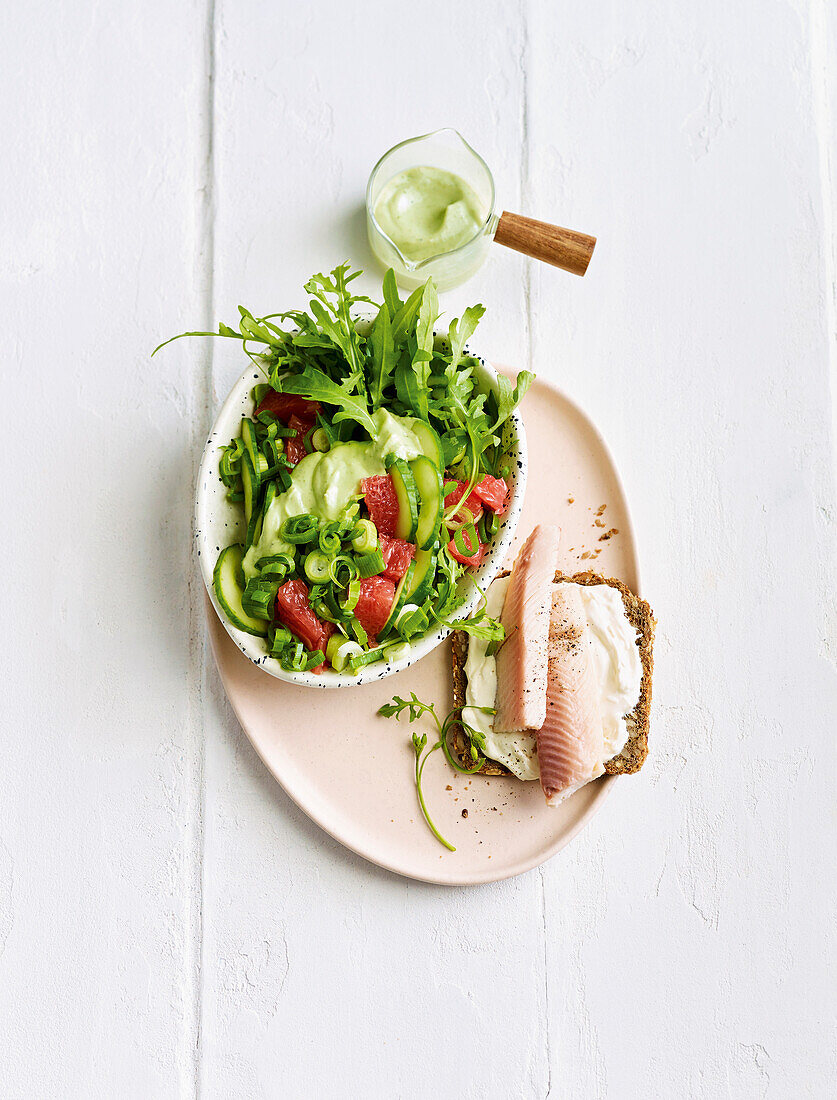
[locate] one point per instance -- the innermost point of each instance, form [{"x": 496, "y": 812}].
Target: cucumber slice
[
  {"x": 428, "y": 478},
  {"x": 227, "y": 583},
  {"x": 422, "y": 578},
  {"x": 429, "y": 442},
  {"x": 399, "y": 599},
  {"x": 250, "y": 486},
  {"x": 408, "y": 499},
  {"x": 250, "y": 441}
]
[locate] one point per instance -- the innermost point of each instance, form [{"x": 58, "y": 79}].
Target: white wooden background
[{"x": 170, "y": 924}]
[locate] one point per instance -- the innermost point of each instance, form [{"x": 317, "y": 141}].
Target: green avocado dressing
[
  {"x": 323, "y": 484},
  {"x": 427, "y": 211}
]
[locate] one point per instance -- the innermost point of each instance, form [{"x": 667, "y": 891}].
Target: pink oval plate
[{"x": 353, "y": 772}]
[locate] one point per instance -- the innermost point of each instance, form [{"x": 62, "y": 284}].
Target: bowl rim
[{"x": 252, "y": 646}]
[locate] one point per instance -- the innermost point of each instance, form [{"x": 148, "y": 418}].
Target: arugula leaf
[
  {"x": 314, "y": 384},
  {"x": 382, "y": 362},
  {"x": 390, "y": 289},
  {"x": 428, "y": 314},
  {"x": 408, "y": 387},
  {"x": 251, "y": 329},
  {"x": 331, "y": 298},
  {"x": 405, "y": 316},
  {"x": 460, "y": 332},
  {"x": 480, "y": 626},
  {"x": 509, "y": 397},
  {"x": 413, "y": 706}
]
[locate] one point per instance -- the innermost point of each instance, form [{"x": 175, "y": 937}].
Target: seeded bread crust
[{"x": 641, "y": 617}]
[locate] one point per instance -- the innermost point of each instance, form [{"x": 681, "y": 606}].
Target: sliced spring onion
[
  {"x": 352, "y": 596},
  {"x": 406, "y": 610},
  {"x": 348, "y": 517},
  {"x": 340, "y": 649},
  {"x": 276, "y": 566},
  {"x": 235, "y": 495},
  {"x": 491, "y": 524},
  {"x": 280, "y": 638},
  {"x": 342, "y": 570},
  {"x": 367, "y": 658},
  {"x": 315, "y": 657},
  {"x": 367, "y": 539},
  {"x": 293, "y": 657},
  {"x": 322, "y": 611},
  {"x": 299, "y": 529},
  {"x": 259, "y": 598},
  {"x": 358, "y": 632},
  {"x": 317, "y": 566},
  {"x": 272, "y": 449},
  {"x": 320, "y": 441},
  {"x": 328, "y": 607},
  {"x": 330, "y": 541},
  {"x": 229, "y": 466},
  {"x": 462, "y": 518},
  {"x": 258, "y": 392},
  {"x": 277, "y": 430},
  {"x": 397, "y": 652},
  {"x": 370, "y": 565},
  {"x": 469, "y": 548},
  {"x": 281, "y": 474},
  {"x": 411, "y": 621}
]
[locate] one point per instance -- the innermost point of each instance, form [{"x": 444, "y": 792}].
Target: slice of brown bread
[{"x": 633, "y": 755}]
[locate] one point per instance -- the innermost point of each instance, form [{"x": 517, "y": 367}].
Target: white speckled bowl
[{"x": 219, "y": 523}]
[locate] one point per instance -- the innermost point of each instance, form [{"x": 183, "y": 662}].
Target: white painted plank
[
  {"x": 101, "y": 177},
  {"x": 688, "y": 925},
  {"x": 321, "y": 972}
]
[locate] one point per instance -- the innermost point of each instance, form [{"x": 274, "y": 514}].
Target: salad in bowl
[{"x": 361, "y": 485}]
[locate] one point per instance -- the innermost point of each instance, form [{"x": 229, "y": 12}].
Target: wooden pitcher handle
[{"x": 560, "y": 247}]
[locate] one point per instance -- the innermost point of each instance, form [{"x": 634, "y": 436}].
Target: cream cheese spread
[{"x": 618, "y": 667}]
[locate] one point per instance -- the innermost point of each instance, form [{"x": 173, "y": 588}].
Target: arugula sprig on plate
[{"x": 415, "y": 709}]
